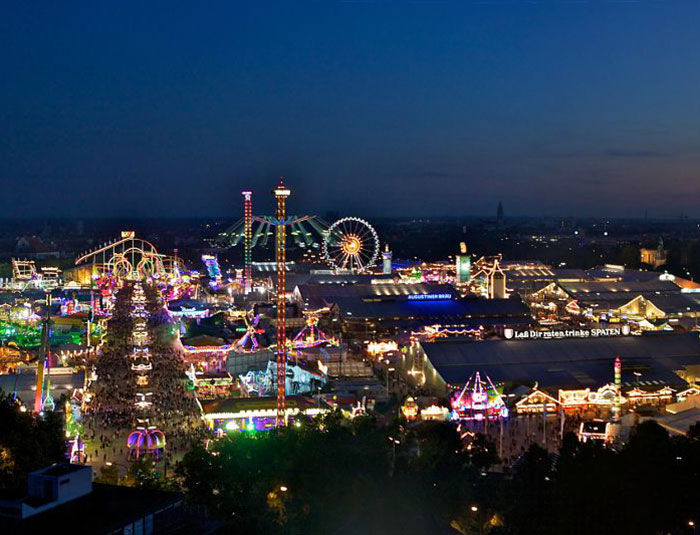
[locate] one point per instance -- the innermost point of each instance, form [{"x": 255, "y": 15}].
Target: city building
[
  {"x": 60, "y": 496},
  {"x": 654, "y": 257}
]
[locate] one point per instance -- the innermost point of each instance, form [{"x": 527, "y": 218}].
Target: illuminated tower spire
[
  {"x": 248, "y": 235},
  {"x": 281, "y": 192}
]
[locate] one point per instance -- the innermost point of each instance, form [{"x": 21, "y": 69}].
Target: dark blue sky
[{"x": 369, "y": 108}]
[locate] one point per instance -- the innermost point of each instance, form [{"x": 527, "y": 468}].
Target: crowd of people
[{"x": 140, "y": 326}]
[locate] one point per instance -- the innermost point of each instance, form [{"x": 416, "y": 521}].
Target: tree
[
  {"x": 27, "y": 442},
  {"x": 109, "y": 475}
]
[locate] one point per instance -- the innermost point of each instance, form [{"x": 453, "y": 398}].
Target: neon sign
[
  {"x": 429, "y": 297},
  {"x": 510, "y": 334}
]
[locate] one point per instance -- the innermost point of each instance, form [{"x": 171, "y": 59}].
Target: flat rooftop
[
  {"x": 573, "y": 362},
  {"x": 105, "y": 509}
]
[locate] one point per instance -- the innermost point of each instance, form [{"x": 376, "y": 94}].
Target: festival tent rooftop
[
  {"x": 573, "y": 362},
  {"x": 449, "y": 311},
  {"x": 665, "y": 295},
  {"x": 680, "y": 423},
  {"x": 321, "y": 295}
]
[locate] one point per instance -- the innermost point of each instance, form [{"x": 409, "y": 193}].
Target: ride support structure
[
  {"x": 248, "y": 238},
  {"x": 281, "y": 193}
]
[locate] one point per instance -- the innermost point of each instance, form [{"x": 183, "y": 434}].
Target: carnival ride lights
[
  {"x": 249, "y": 342},
  {"x": 141, "y": 364},
  {"x": 351, "y": 244},
  {"x": 145, "y": 441},
  {"x": 77, "y": 453},
  {"x": 430, "y": 333},
  {"x": 281, "y": 192},
  {"x": 211, "y": 263},
  {"x": 311, "y": 336},
  {"x": 258, "y": 383},
  {"x": 43, "y": 401},
  {"x": 142, "y": 380},
  {"x": 129, "y": 258},
  {"x": 143, "y": 400},
  {"x": 410, "y": 409},
  {"x": 306, "y": 232},
  {"x": 478, "y": 401},
  {"x": 25, "y": 275},
  {"x": 248, "y": 238}
]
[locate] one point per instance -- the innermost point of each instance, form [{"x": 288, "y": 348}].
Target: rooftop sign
[
  {"x": 511, "y": 334},
  {"x": 429, "y": 297}
]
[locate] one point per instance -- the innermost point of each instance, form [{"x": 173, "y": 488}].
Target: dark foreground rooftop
[{"x": 106, "y": 509}]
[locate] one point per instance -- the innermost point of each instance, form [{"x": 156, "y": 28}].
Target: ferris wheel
[{"x": 351, "y": 243}]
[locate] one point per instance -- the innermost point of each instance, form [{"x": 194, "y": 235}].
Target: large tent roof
[{"x": 574, "y": 362}]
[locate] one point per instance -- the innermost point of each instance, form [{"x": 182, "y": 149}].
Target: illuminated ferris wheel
[{"x": 351, "y": 243}]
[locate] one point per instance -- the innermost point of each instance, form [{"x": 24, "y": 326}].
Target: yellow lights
[
  {"x": 379, "y": 348},
  {"x": 351, "y": 245},
  {"x": 283, "y": 488}
]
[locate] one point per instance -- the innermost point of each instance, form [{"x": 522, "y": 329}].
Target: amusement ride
[{"x": 351, "y": 244}]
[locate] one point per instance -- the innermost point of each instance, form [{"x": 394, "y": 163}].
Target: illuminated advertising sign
[
  {"x": 511, "y": 334},
  {"x": 429, "y": 297}
]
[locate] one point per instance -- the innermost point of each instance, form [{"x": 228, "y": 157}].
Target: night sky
[{"x": 369, "y": 108}]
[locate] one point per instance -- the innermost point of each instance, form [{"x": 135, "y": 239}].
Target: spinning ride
[
  {"x": 311, "y": 336},
  {"x": 249, "y": 341},
  {"x": 479, "y": 400},
  {"x": 351, "y": 244}
]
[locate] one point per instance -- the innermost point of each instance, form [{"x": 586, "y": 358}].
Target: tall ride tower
[
  {"x": 248, "y": 235},
  {"x": 42, "y": 397},
  {"x": 281, "y": 192}
]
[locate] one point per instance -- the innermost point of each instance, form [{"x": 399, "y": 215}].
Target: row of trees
[
  {"x": 338, "y": 476},
  {"x": 335, "y": 477}
]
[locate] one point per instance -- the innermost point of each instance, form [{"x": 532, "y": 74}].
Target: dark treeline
[{"x": 338, "y": 477}]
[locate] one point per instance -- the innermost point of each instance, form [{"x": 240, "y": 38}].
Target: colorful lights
[
  {"x": 248, "y": 237},
  {"x": 351, "y": 243},
  {"x": 479, "y": 401}
]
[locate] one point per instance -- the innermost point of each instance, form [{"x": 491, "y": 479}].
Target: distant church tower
[{"x": 499, "y": 215}]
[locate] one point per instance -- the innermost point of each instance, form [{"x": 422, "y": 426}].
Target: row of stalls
[
  {"x": 538, "y": 401},
  {"x": 481, "y": 399}
]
